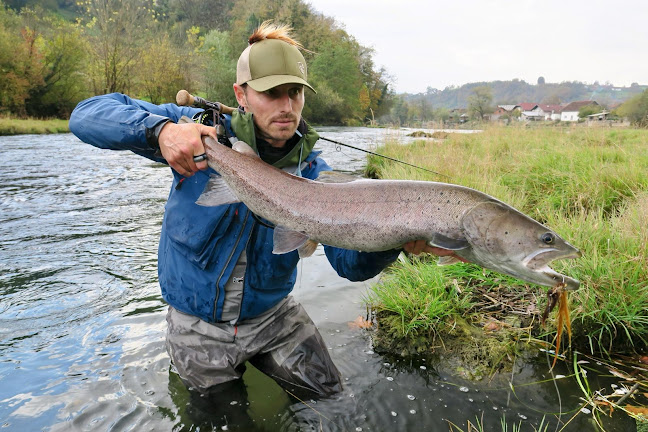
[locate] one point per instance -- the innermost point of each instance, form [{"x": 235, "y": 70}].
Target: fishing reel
[{"x": 213, "y": 115}]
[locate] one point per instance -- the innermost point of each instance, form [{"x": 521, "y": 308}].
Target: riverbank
[
  {"x": 14, "y": 126},
  {"x": 588, "y": 185}
]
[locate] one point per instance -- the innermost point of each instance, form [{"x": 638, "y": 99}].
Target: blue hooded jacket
[{"x": 199, "y": 246}]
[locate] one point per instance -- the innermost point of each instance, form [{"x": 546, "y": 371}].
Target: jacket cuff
[{"x": 153, "y": 133}]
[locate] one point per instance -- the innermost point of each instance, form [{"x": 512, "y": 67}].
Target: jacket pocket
[{"x": 195, "y": 230}]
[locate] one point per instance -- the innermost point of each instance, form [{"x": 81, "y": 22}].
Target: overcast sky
[{"x": 430, "y": 43}]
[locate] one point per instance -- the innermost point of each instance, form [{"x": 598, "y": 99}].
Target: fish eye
[{"x": 547, "y": 238}]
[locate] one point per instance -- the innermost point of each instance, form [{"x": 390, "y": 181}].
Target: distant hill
[{"x": 519, "y": 91}]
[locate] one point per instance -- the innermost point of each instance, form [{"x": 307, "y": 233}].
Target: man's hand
[
  {"x": 420, "y": 246},
  {"x": 179, "y": 143}
]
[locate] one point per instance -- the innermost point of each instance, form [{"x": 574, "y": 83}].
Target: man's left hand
[{"x": 421, "y": 246}]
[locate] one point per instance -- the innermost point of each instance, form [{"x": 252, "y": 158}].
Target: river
[{"x": 82, "y": 322}]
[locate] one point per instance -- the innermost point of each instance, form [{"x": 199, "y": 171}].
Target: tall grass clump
[
  {"x": 588, "y": 185},
  {"x": 421, "y": 296},
  {"x": 13, "y": 126}
]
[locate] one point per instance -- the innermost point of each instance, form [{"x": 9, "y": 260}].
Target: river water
[{"x": 82, "y": 322}]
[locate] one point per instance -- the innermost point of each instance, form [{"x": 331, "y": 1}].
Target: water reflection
[{"x": 82, "y": 322}]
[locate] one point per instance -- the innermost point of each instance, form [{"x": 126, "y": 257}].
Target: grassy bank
[
  {"x": 13, "y": 126},
  {"x": 588, "y": 185}
]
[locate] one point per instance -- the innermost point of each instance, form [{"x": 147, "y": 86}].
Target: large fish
[{"x": 378, "y": 215}]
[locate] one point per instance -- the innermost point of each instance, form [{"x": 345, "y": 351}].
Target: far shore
[{"x": 14, "y": 126}]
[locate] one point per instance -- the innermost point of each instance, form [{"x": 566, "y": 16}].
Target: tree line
[{"x": 54, "y": 53}]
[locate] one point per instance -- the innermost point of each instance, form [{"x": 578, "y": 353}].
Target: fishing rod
[{"x": 184, "y": 98}]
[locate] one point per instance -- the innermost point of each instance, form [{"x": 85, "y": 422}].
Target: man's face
[{"x": 276, "y": 111}]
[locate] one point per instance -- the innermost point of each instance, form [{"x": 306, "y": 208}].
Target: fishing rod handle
[{"x": 184, "y": 98}]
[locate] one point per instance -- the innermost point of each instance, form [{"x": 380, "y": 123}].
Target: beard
[{"x": 272, "y": 131}]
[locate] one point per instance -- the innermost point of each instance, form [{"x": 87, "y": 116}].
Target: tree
[
  {"x": 480, "y": 101},
  {"x": 16, "y": 63},
  {"x": 218, "y": 67},
  {"x": 337, "y": 67},
  {"x": 636, "y": 109},
  {"x": 63, "y": 59},
  {"x": 165, "y": 71},
  {"x": 541, "y": 80},
  {"x": 115, "y": 30},
  {"x": 588, "y": 110}
]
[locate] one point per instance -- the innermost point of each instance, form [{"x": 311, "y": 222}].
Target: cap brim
[{"x": 268, "y": 82}]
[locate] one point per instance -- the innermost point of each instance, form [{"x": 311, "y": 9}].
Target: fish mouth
[{"x": 539, "y": 262}]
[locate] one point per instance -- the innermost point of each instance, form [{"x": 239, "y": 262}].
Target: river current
[{"x": 82, "y": 322}]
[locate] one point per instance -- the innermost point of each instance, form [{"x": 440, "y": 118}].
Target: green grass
[
  {"x": 588, "y": 185},
  {"x": 12, "y": 126}
]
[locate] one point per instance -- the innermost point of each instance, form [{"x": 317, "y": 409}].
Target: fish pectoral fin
[
  {"x": 286, "y": 240},
  {"x": 447, "y": 260},
  {"x": 308, "y": 248},
  {"x": 244, "y": 148},
  {"x": 216, "y": 193},
  {"x": 441, "y": 241}
]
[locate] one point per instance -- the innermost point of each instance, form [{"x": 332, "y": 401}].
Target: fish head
[{"x": 506, "y": 240}]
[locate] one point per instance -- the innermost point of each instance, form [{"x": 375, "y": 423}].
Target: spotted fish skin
[{"x": 377, "y": 215}]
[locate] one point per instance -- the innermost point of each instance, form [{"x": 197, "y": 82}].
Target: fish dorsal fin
[
  {"x": 244, "y": 148},
  {"x": 439, "y": 240},
  {"x": 216, "y": 193},
  {"x": 335, "y": 177},
  {"x": 286, "y": 240}
]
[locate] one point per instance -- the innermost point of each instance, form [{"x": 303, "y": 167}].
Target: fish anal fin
[
  {"x": 444, "y": 242},
  {"x": 286, "y": 240},
  {"x": 216, "y": 193},
  {"x": 308, "y": 248}
]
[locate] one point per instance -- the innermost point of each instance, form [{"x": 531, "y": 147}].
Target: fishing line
[
  {"x": 383, "y": 156},
  {"x": 553, "y": 376}
]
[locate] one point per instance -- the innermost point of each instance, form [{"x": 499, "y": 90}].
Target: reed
[
  {"x": 13, "y": 126},
  {"x": 588, "y": 185}
]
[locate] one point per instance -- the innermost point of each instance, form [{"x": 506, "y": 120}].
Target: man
[{"x": 228, "y": 295}]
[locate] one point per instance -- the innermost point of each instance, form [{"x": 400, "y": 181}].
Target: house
[
  {"x": 529, "y": 111},
  {"x": 570, "y": 112},
  {"x": 506, "y": 111},
  {"x": 550, "y": 112},
  {"x": 458, "y": 115}
]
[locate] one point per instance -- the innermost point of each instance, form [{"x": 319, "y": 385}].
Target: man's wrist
[{"x": 153, "y": 135}]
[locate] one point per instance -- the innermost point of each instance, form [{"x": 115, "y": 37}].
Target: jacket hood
[{"x": 243, "y": 127}]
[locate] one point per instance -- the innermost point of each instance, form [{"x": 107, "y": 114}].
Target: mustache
[{"x": 284, "y": 117}]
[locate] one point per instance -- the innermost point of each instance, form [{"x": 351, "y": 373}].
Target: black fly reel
[{"x": 213, "y": 117}]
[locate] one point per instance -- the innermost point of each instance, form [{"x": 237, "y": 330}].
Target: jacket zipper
[
  {"x": 238, "y": 316},
  {"x": 227, "y": 264}
]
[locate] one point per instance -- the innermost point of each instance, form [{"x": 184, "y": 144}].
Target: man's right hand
[{"x": 179, "y": 143}]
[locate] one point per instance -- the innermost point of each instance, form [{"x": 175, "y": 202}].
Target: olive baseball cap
[{"x": 270, "y": 63}]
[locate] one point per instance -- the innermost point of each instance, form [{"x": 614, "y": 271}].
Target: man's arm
[
  {"x": 359, "y": 266},
  {"x": 118, "y": 122}
]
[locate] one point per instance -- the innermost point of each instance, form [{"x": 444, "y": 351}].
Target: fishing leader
[{"x": 228, "y": 294}]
